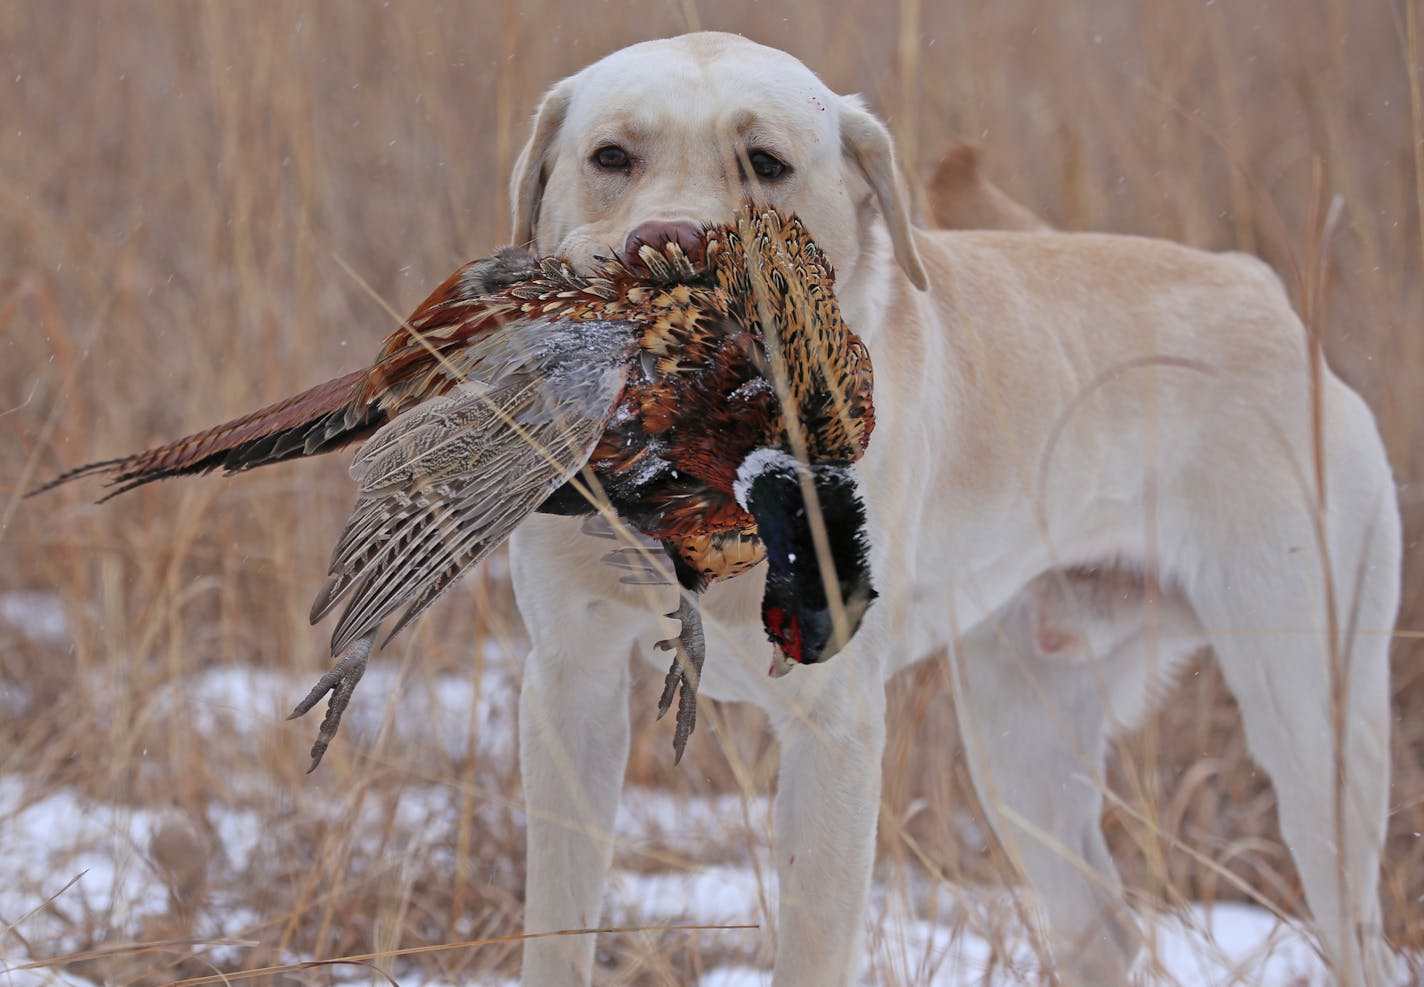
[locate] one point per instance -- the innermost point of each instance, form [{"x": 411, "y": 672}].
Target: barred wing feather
[{"x": 446, "y": 483}]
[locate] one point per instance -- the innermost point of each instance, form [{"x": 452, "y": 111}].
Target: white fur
[{"x": 1054, "y": 400}]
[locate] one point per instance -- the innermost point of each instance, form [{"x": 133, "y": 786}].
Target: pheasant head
[
  {"x": 801, "y": 488},
  {"x": 811, "y": 521}
]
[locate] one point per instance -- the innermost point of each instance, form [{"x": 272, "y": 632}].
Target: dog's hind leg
[
  {"x": 1034, "y": 711},
  {"x": 1310, "y": 668}
]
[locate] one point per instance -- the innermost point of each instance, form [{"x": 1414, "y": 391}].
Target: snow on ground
[
  {"x": 36, "y": 615},
  {"x": 47, "y": 842},
  {"x": 425, "y": 713},
  {"x": 1227, "y": 945},
  {"x": 93, "y": 859}
]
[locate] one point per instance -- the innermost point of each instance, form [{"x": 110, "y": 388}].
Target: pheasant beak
[
  {"x": 780, "y": 664},
  {"x": 808, "y": 635}
]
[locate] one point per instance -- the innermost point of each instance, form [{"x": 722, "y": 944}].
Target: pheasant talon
[
  {"x": 686, "y": 716},
  {"x": 670, "y": 684},
  {"x": 642, "y": 581},
  {"x": 598, "y": 526},
  {"x": 635, "y": 559},
  {"x": 645, "y": 566},
  {"x": 689, "y": 651},
  {"x": 340, "y": 681}
]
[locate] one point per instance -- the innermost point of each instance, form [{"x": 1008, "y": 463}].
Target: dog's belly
[
  {"x": 896, "y": 632},
  {"x": 930, "y": 593}
]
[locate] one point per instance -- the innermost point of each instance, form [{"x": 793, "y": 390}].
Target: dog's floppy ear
[
  {"x": 867, "y": 144},
  {"x": 526, "y": 185}
]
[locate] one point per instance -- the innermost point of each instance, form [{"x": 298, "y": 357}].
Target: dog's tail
[
  {"x": 318, "y": 420},
  {"x": 962, "y": 198}
]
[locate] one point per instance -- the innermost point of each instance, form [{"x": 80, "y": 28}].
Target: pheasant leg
[
  {"x": 642, "y": 565},
  {"x": 689, "y": 650},
  {"x": 341, "y": 683}
]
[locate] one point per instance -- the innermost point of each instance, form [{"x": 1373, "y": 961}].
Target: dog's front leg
[
  {"x": 573, "y": 744},
  {"x": 827, "y": 801}
]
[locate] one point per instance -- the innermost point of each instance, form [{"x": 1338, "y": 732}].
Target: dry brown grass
[{"x": 181, "y": 187}]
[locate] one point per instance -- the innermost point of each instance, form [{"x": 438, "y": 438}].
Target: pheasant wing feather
[{"x": 445, "y": 484}]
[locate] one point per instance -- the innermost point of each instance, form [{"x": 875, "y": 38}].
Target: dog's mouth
[{"x": 659, "y": 234}]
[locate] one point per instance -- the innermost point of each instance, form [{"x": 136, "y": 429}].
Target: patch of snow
[
  {"x": 1227, "y": 945},
  {"x": 93, "y": 853},
  {"x": 1233, "y": 944},
  {"x": 440, "y": 712},
  {"x": 919, "y": 932},
  {"x": 977, "y": 939},
  {"x": 230, "y": 702},
  {"x": 623, "y": 414},
  {"x": 932, "y": 936},
  {"x": 643, "y": 469},
  {"x": 968, "y": 832},
  {"x": 720, "y": 895},
  {"x": 736, "y": 976},
  {"x": 36, "y": 615},
  {"x": 437, "y": 712},
  {"x": 646, "y": 814},
  {"x": 74, "y": 868},
  {"x": 240, "y": 833}
]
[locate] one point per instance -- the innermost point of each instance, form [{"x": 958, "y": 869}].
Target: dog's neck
[{"x": 865, "y": 290}]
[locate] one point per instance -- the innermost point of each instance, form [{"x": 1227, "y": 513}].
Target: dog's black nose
[{"x": 658, "y": 232}]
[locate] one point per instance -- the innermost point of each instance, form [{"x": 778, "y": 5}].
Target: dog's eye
[
  {"x": 611, "y": 157},
  {"x": 767, "y": 166}
]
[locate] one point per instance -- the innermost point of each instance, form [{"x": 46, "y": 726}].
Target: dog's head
[{"x": 666, "y": 135}]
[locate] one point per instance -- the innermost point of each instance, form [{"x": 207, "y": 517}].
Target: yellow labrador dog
[{"x": 1047, "y": 403}]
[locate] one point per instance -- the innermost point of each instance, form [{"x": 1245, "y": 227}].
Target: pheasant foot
[
  {"x": 341, "y": 683},
  {"x": 689, "y": 650}
]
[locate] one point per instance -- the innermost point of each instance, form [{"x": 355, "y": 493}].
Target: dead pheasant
[{"x": 701, "y": 403}]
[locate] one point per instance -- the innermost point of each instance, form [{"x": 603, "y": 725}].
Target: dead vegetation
[{"x": 206, "y": 206}]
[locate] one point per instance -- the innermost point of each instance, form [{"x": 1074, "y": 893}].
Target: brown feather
[
  {"x": 709, "y": 341},
  {"x": 315, "y": 420}
]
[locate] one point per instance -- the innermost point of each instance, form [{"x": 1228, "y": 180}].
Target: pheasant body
[{"x": 522, "y": 385}]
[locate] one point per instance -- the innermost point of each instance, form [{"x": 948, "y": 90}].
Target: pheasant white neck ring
[{"x": 816, "y": 594}]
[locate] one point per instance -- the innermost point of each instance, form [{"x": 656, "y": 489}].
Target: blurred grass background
[{"x": 184, "y": 185}]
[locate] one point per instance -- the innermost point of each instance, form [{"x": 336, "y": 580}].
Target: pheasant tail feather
[{"x": 315, "y": 421}]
